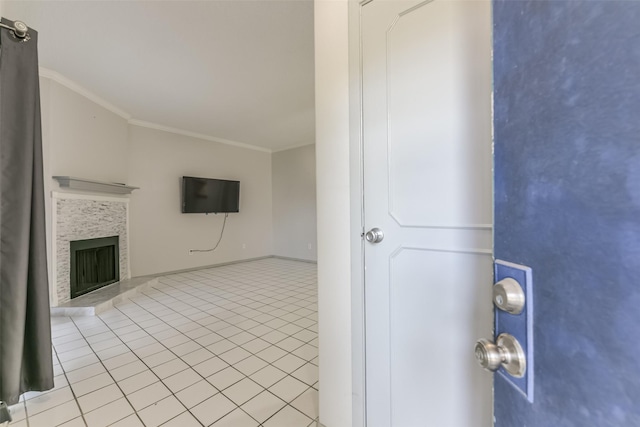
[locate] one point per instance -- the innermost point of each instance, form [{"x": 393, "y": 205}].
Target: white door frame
[{"x": 357, "y": 215}]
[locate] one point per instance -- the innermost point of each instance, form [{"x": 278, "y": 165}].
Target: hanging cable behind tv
[{"x": 224, "y": 223}]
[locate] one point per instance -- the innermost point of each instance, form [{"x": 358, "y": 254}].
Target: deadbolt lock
[
  {"x": 508, "y": 296},
  {"x": 506, "y": 352}
]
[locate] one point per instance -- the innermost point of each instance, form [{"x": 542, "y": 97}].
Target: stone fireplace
[{"x": 77, "y": 220}]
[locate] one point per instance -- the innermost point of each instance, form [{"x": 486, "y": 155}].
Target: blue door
[{"x": 567, "y": 204}]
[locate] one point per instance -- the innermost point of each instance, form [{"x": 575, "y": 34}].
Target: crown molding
[
  {"x": 70, "y": 84},
  {"x": 292, "y": 147},
  {"x": 183, "y": 132}
]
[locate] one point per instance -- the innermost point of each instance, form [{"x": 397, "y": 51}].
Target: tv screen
[{"x": 205, "y": 195}]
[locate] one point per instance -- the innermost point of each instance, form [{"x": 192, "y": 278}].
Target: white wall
[
  {"x": 294, "y": 203},
  {"x": 79, "y": 138},
  {"x": 333, "y": 198},
  {"x": 161, "y": 235},
  {"x": 86, "y": 139},
  {"x": 83, "y": 138}
]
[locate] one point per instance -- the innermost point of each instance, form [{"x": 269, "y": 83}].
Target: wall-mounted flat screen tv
[{"x": 206, "y": 195}]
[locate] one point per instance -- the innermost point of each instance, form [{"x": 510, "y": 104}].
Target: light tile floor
[{"x": 232, "y": 346}]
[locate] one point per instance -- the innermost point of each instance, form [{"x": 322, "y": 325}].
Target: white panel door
[{"x": 426, "y": 70}]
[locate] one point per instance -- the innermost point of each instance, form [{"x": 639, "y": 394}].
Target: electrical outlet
[
  {"x": 244, "y": 246},
  {"x": 309, "y": 246}
]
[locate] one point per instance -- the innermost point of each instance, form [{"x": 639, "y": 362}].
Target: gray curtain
[{"x": 25, "y": 325}]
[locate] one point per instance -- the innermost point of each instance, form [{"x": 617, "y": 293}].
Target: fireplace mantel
[{"x": 83, "y": 184}]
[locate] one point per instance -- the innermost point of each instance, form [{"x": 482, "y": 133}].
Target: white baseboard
[
  {"x": 166, "y": 273},
  {"x": 310, "y": 261}
]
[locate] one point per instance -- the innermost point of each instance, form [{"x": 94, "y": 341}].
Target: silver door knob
[
  {"x": 506, "y": 352},
  {"x": 508, "y": 296},
  {"x": 375, "y": 235}
]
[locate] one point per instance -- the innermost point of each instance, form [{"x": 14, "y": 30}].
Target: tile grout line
[
  {"x": 191, "y": 367},
  {"x": 114, "y": 381},
  {"x": 269, "y": 363},
  {"x": 276, "y": 295},
  {"x": 149, "y": 368},
  {"x": 271, "y": 344},
  {"x": 73, "y": 393}
]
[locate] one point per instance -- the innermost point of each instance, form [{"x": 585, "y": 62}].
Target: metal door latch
[
  {"x": 375, "y": 235},
  {"x": 506, "y": 352}
]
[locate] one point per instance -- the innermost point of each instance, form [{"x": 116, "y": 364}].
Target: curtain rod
[{"x": 19, "y": 28}]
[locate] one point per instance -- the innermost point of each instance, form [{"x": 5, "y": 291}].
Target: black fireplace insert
[{"x": 94, "y": 263}]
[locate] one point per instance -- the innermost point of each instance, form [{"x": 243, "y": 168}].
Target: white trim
[
  {"x": 53, "y": 285},
  {"x": 292, "y": 147},
  {"x": 468, "y": 251},
  {"x": 128, "y": 242},
  {"x": 288, "y": 258},
  {"x": 358, "y": 321},
  {"x": 445, "y": 226},
  {"x": 70, "y": 84},
  {"x": 149, "y": 125},
  {"x": 204, "y": 267},
  {"x": 411, "y": 9},
  {"x": 93, "y": 186},
  {"x": 76, "y": 196}
]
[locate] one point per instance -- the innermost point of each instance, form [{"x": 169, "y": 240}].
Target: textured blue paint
[
  {"x": 520, "y": 325},
  {"x": 567, "y": 203}
]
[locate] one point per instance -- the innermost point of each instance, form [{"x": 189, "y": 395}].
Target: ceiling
[{"x": 238, "y": 70}]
